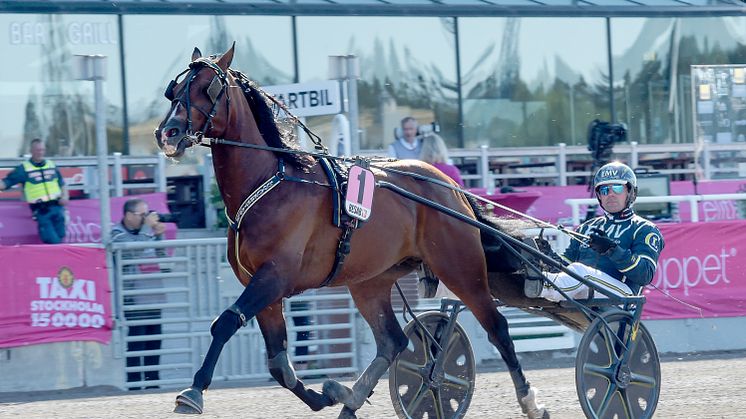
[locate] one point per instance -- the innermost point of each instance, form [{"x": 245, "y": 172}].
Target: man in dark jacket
[{"x": 622, "y": 252}]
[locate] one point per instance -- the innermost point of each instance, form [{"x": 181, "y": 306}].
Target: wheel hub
[{"x": 623, "y": 376}]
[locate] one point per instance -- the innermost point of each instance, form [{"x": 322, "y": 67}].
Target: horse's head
[{"x": 199, "y": 103}]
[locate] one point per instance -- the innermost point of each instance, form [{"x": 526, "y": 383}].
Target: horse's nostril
[{"x": 173, "y": 132}]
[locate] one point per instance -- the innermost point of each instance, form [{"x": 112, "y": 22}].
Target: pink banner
[
  {"x": 703, "y": 264},
  {"x": 54, "y": 294},
  {"x": 17, "y": 227}
]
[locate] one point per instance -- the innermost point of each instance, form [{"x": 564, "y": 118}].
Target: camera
[
  {"x": 165, "y": 218},
  {"x": 602, "y": 136}
]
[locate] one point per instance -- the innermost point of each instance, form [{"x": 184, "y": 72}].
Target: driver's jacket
[{"x": 634, "y": 260}]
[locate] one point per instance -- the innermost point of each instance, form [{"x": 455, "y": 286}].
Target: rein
[{"x": 207, "y": 142}]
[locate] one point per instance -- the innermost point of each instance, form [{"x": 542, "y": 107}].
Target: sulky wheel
[
  {"x": 605, "y": 388},
  {"x": 417, "y": 389}
]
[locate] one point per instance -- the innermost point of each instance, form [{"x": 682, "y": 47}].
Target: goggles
[{"x": 605, "y": 189}]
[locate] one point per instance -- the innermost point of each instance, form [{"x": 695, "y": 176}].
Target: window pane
[
  {"x": 410, "y": 70},
  {"x": 532, "y": 81},
  {"x": 160, "y": 47},
  {"x": 39, "y": 94},
  {"x": 652, "y": 59}
]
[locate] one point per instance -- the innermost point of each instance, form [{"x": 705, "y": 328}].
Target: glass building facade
[{"x": 499, "y": 81}]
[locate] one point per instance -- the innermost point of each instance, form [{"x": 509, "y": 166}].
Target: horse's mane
[{"x": 276, "y": 133}]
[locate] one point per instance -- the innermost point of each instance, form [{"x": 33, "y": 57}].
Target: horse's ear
[
  {"x": 225, "y": 61},
  {"x": 196, "y": 54}
]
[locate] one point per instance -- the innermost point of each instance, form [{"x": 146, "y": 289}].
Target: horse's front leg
[
  {"x": 263, "y": 290},
  {"x": 373, "y": 301},
  {"x": 272, "y": 323}
]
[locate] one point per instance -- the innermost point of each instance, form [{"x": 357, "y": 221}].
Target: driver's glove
[{"x": 600, "y": 242}]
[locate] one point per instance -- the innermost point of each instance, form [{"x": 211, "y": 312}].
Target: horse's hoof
[
  {"x": 540, "y": 413},
  {"x": 336, "y": 392},
  {"x": 189, "y": 402},
  {"x": 530, "y": 408},
  {"x": 347, "y": 413}
]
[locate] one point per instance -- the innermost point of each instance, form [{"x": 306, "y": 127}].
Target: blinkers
[{"x": 214, "y": 91}]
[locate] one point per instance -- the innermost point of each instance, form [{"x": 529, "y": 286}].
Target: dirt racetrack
[{"x": 709, "y": 385}]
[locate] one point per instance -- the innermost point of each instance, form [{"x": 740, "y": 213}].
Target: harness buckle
[{"x": 362, "y": 162}]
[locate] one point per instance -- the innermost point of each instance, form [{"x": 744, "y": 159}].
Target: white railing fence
[
  {"x": 167, "y": 294},
  {"x": 551, "y": 162},
  {"x": 87, "y": 180},
  {"x": 693, "y": 201}
]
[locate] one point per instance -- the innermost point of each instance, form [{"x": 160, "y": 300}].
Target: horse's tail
[{"x": 498, "y": 258}]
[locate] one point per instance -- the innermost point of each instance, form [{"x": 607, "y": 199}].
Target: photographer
[{"x": 140, "y": 225}]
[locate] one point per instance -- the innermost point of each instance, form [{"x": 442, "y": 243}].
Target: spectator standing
[
  {"x": 435, "y": 152},
  {"x": 44, "y": 190},
  {"x": 408, "y": 144},
  {"x": 140, "y": 225}
]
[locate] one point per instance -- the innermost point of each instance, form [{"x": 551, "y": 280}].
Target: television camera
[
  {"x": 601, "y": 139},
  {"x": 602, "y": 136}
]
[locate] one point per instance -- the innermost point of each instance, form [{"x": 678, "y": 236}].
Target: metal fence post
[
  {"x": 484, "y": 169},
  {"x": 161, "y": 173},
  {"x": 634, "y": 157},
  {"x": 706, "y": 157},
  {"x": 116, "y": 175},
  {"x": 562, "y": 163}
]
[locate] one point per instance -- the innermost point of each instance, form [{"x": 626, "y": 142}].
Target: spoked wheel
[
  {"x": 607, "y": 389},
  {"x": 417, "y": 389}
]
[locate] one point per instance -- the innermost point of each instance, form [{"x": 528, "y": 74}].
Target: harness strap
[
  {"x": 249, "y": 202},
  {"x": 343, "y": 249}
]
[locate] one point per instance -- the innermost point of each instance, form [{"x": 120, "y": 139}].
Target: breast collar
[
  {"x": 253, "y": 198},
  {"x": 262, "y": 190}
]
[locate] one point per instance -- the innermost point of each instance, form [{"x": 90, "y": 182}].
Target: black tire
[
  {"x": 413, "y": 391},
  {"x": 604, "y": 392}
]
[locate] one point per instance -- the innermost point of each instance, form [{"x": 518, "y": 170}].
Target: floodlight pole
[{"x": 93, "y": 68}]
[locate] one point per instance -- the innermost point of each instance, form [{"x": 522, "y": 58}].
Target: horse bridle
[{"x": 215, "y": 90}]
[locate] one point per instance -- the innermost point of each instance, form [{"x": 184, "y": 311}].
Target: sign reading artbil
[{"x": 308, "y": 99}]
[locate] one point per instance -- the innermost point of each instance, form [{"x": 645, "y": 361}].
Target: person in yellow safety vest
[{"x": 44, "y": 190}]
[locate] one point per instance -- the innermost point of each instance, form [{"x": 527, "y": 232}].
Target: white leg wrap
[{"x": 530, "y": 408}]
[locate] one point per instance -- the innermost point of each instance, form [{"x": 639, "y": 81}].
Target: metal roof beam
[{"x": 342, "y": 9}]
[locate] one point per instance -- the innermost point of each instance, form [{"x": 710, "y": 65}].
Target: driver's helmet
[{"x": 616, "y": 173}]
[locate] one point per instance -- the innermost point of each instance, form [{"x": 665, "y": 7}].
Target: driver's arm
[{"x": 639, "y": 262}]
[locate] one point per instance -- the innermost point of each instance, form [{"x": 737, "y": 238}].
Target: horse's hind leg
[
  {"x": 272, "y": 323},
  {"x": 485, "y": 311},
  {"x": 373, "y": 301}
]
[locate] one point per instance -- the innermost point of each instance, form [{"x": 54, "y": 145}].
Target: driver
[{"x": 622, "y": 252}]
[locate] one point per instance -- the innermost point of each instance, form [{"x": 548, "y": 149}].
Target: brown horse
[{"x": 286, "y": 244}]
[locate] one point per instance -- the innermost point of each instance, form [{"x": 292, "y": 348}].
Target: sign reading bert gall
[{"x": 54, "y": 294}]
